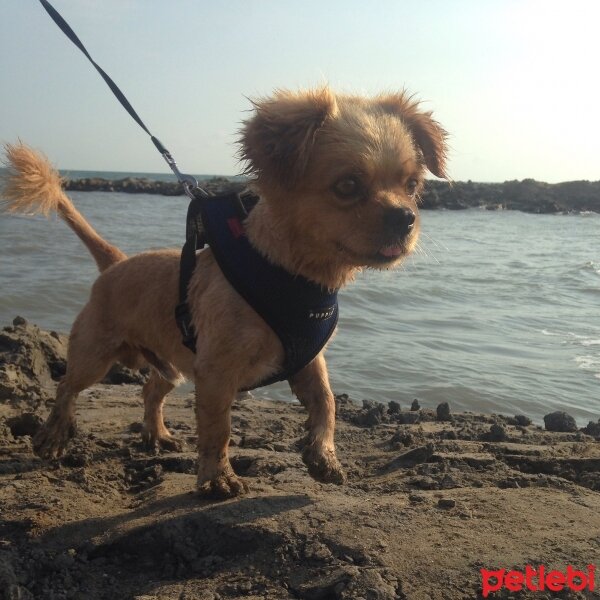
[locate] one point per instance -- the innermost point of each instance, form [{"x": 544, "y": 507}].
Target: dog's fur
[{"x": 338, "y": 177}]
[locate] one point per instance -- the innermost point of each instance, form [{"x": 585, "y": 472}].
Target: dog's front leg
[
  {"x": 213, "y": 415},
  {"x": 311, "y": 386}
]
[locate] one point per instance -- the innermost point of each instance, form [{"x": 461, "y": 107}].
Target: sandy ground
[{"x": 428, "y": 504}]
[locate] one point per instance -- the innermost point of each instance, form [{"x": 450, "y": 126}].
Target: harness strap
[{"x": 194, "y": 240}]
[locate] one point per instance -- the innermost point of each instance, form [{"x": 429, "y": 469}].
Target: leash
[
  {"x": 189, "y": 183},
  {"x": 194, "y": 228}
]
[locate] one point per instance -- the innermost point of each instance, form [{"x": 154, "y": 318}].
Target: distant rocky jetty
[
  {"x": 141, "y": 185},
  {"x": 527, "y": 195}
]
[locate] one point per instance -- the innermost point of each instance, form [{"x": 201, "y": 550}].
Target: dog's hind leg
[
  {"x": 89, "y": 357},
  {"x": 154, "y": 434},
  {"x": 311, "y": 386}
]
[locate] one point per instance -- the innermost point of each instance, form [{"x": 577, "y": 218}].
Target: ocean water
[{"x": 496, "y": 311}]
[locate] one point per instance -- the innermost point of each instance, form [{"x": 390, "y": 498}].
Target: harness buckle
[{"x": 184, "y": 324}]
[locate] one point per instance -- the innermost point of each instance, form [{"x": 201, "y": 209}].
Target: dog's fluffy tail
[{"x": 33, "y": 186}]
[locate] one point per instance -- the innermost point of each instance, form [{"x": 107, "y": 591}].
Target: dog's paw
[
  {"x": 52, "y": 438},
  {"x": 225, "y": 485},
  {"x": 323, "y": 465},
  {"x": 154, "y": 443}
]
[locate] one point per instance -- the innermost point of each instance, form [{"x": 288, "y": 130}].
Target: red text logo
[{"x": 538, "y": 580}]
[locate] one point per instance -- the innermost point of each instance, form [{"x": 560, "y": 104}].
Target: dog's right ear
[
  {"x": 427, "y": 133},
  {"x": 278, "y": 139}
]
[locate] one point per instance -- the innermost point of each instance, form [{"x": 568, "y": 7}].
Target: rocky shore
[
  {"x": 432, "y": 497},
  {"x": 140, "y": 185},
  {"x": 527, "y": 195}
]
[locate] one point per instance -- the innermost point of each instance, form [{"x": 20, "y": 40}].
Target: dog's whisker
[
  {"x": 438, "y": 244},
  {"x": 423, "y": 251}
]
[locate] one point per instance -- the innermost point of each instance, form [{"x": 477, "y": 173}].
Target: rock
[
  {"x": 141, "y": 185},
  {"x": 527, "y": 195},
  {"x": 408, "y": 418},
  {"x": 26, "y": 423},
  {"x": 32, "y": 360},
  {"x": 20, "y": 321},
  {"x": 425, "y": 482},
  {"x": 415, "y": 405},
  {"x": 522, "y": 420},
  {"x": 592, "y": 429},
  {"x": 560, "y": 421},
  {"x": 446, "y": 503},
  {"x": 402, "y": 438},
  {"x": 497, "y": 433},
  {"x": 443, "y": 412},
  {"x": 417, "y": 498},
  {"x": 393, "y": 407},
  {"x": 372, "y": 414},
  {"x": 411, "y": 458},
  {"x": 119, "y": 375}
]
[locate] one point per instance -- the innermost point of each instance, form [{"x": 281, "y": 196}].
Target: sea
[{"x": 496, "y": 311}]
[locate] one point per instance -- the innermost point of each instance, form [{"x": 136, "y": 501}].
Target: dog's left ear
[
  {"x": 278, "y": 139},
  {"x": 427, "y": 133}
]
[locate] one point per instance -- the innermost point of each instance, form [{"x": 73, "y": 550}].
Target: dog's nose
[{"x": 400, "y": 221}]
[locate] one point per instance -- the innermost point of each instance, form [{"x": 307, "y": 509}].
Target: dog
[{"x": 338, "y": 179}]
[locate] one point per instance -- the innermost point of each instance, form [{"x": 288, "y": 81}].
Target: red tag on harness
[{"x": 236, "y": 228}]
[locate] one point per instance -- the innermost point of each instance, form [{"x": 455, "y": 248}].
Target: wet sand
[{"x": 428, "y": 503}]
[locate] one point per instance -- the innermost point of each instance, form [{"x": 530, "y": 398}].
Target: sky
[{"x": 514, "y": 82}]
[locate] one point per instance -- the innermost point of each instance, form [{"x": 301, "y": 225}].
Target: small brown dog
[{"x": 338, "y": 179}]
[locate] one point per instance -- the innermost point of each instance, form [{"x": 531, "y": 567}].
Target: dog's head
[{"x": 343, "y": 174}]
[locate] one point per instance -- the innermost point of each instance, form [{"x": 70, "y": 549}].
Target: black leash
[
  {"x": 189, "y": 183},
  {"x": 195, "y": 238}
]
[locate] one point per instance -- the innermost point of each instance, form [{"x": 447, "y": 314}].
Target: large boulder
[
  {"x": 560, "y": 421},
  {"x": 31, "y": 359}
]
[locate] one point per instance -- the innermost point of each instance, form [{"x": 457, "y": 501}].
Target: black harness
[{"x": 302, "y": 313}]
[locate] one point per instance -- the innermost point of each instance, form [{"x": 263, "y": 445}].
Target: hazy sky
[{"x": 515, "y": 82}]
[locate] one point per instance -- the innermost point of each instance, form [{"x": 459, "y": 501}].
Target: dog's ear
[
  {"x": 278, "y": 139},
  {"x": 427, "y": 133}
]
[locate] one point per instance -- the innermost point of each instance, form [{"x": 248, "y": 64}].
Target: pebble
[
  {"x": 413, "y": 457},
  {"x": 497, "y": 433},
  {"x": 417, "y": 498},
  {"x": 402, "y": 438},
  {"x": 446, "y": 503},
  {"x": 522, "y": 420},
  {"x": 443, "y": 412},
  {"x": 592, "y": 429},
  {"x": 393, "y": 407}
]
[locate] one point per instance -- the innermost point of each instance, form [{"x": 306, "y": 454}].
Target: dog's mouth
[
  {"x": 392, "y": 252},
  {"x": 385, "y": 255}
]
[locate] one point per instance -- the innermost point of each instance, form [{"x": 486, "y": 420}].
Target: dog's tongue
[{"x": 391, "y": 251}]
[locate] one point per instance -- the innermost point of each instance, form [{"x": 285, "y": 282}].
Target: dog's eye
[
  {"x": 411, "y": 186},
  {"x": 347, "y": 187}
]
